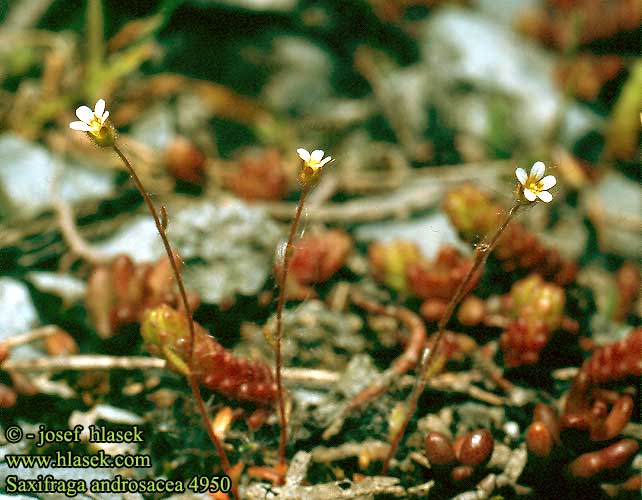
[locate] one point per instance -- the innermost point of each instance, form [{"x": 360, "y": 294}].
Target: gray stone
[
  {"x": 227, "y": 248},
  {"x": 430, "y": 232},
  {"x": 300, "y": 82},
  {"x": 358, "y": 375},
  {"x": 69, "y": 288},
  {"x": 313, "y": 337},
  {"x": 615, "y": 208},
  {"x": 27, "y": 171},
  {"x": 477, "y": 416},
  {"x": 17, "y": 312},
  {"x": 484, "y": 76},
  {"x": 156, "y": 127}
]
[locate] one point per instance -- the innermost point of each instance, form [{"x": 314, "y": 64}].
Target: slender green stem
[
  {"x": 279, "y": 325},
  {"x": 482, "y": 252},
  {"x": 193, "y": 383}
]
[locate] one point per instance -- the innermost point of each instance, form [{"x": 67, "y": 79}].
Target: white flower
[
  {"x": 313, "y": 160},
  {"x": 91, "y": 121},
  {"x": 95, "y": 124},
  {"x": 535, "y": 185}
]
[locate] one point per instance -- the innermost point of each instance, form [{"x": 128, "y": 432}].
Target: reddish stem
[
  {"x": 279, "y": 325},
  {"x": 428, "y": 356},
  {"x": 181, "y": 287}
]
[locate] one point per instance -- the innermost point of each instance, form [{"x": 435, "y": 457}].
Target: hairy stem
[
  {"x": 427, "y": 358},
  {"x": 279, "y": 325},
  {"x": 172, "y": 259}
]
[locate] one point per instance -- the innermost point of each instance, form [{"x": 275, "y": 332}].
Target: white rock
[
  {"x": 301, "y": 80},
  {"x": 511, "y": 429},
  {"x": 17, "y": 312},
  {"x": 67, "y": 287},
  {"x": 232, "y": 246},
  {"x": 479, "y": 67},
  {"x": 27, "y": 171},
  {"x": 137, "y": 238},
  {"x": 430, "y": 233},
  {"x": 156, "y": 127},
  {"x": 615, "y": 208}
]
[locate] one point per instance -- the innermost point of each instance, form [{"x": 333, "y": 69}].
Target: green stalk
[{"x": 482, "y": 252}]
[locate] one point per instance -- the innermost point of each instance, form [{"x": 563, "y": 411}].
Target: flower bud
[{"x": 166, "y": 332}]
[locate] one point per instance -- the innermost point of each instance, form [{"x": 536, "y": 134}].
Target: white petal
[
  {"x": 521, "y": 175},
  {"x": 317, "y": 154},
  {"x": 303, "y": 153},
  {"x": 99, "y": 109},
  {"x": 545, "y": 196},
  {"x": 530, "y": 196},
  {"x": 548, "y": 182},
  {"x": 85, "y": 114},
  {"x": 82, "y": 126},
  {"x": 327, "y": 159},
  {"x": 104, "y": 118},
  {"x": 537, "y": 172}
]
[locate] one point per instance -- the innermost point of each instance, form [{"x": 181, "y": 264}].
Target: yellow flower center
[
  {"x": 534, "y": 186},
  {"x": 102, "y": 134},
  {"x": 96, "y": 126},
  {"x": 312, "y": 163}
]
